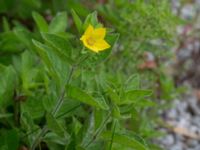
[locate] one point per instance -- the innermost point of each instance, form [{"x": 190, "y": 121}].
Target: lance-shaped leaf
[
  {"x": 123, "y": 139},
  {"x": 59, "y": 23},
  {"x": 59, "y": 45},
  {"x": 40, "y": 21},
  {"x": 80, "y": 95}
]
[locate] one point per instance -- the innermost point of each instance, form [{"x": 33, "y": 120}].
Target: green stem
[
  {"x": 39, "y": 137},
  {"x": 55, "y": 111},
  {"x": 75, "y": 107},
  {"x": 98, "y": 131},
  {"x": 61, "y": 98},
  {"x": 113, "y": 133},
  {"x": 58, "y": 105},
  {"x": 57, "y": 117}
]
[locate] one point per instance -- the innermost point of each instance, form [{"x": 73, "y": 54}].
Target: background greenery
[{"x": 109, "y": 100}]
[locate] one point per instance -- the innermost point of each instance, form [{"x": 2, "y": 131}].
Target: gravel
[
  {"x": 184, "y": 122},
  {"x": 183, "y": 119}
]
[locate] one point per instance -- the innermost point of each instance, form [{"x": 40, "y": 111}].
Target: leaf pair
[{"x": 57, "y": 25}]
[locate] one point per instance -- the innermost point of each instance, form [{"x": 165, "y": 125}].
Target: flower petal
[
  {"x": 93, "y": 39},
  {"x": 100, "y": 45},
  {"x": 99, "y": 33},
  {"x": 89, "y": 30}
]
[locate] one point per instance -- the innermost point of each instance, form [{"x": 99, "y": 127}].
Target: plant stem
[
  {"x": 98, "y": 131},
  {"x": 57, "y": 117},
  {"x": 61, "y": 98},
  {"x": 59, "y": 103},
  {"x": 38, "y": 138},
  {"x": 113, "y": 133},
  {"x": 68, "y": 111},
  {"x": 57, "y": 107}
]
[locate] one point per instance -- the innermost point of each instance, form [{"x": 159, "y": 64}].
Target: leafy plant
[{"x": 55, "y": 93}]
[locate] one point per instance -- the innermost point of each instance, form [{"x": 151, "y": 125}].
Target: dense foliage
[{"x": 56, "y": 94}]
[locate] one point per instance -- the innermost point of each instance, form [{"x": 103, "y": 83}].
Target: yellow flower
[{"x": 94, "y": 39}]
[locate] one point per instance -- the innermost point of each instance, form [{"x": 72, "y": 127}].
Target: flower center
[{"x": 90, "y": 41}]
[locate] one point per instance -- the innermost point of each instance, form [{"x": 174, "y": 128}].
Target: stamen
[{"x": 90, "y": 41}]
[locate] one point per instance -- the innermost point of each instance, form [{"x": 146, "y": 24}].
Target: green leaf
[
  {"x": 43, "y": 54},
  {"x": 34, "y": 105},
  {"x": 56, "y": 67},
  {"x": 69, "y": 107},
  {"x": 12, "y": 139},
  {"x": 48, "y": 56},
  {"x": 124, "y": 140},
  {"x": 60, "y": 45},
  {"x": 91, "y": 19},
  {"x": 6, "y": 26},
  {"x": 59, "y": 23},
  {"x": 10, "y": 44},
  {"x": 136, "y": 119},
  {"x": 53, "y": 125},
  {"x": 77, "y": 21},
  {"x": 98, "y": 116},
  {"x": 134, "y": 96},
  {"x": 116, "y": 111},
  {"x": 27, "y": 70},
  {"x": 80, "y": 8},
  {"x": 24, "y": 36},
  {"x": 80, "y": 95},
  {"x": 54, "y": 141},
  {"x": 113, "y": 95},
  {"x": 133, "y": 82},
  {"x": 90, "y": 130},
  {"x": 72, "y": 144},
  {"x": 40, "y": 21},
  {"x": 27, "y": 122},
  {"x": 7, "y": 85},
  {"x": 9, "y": 140},
  {"x": 94, "y": 19},
  {"x": 48, "y": 102}
]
